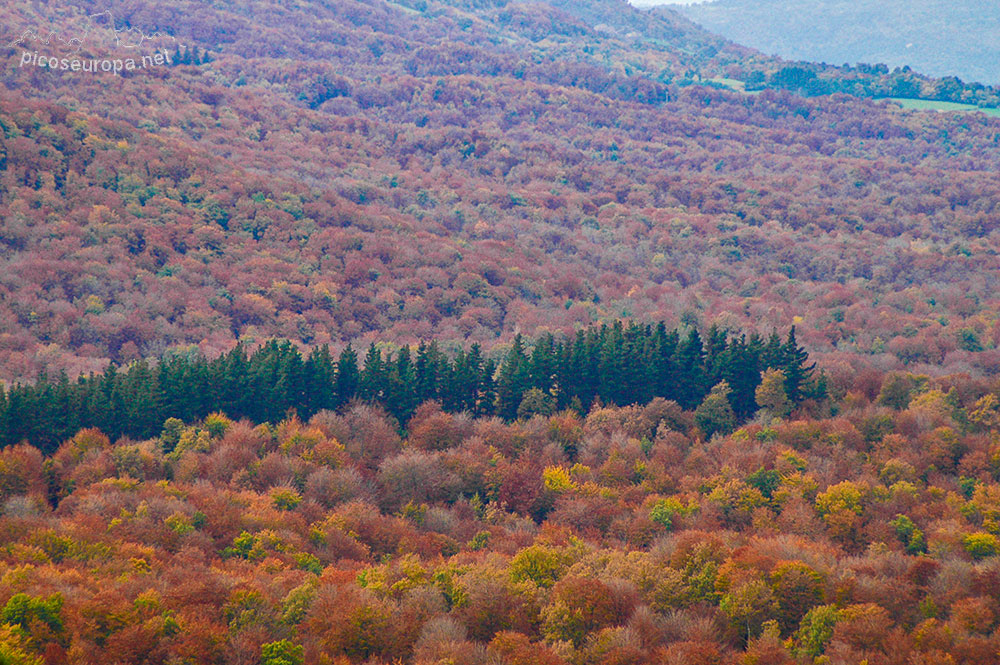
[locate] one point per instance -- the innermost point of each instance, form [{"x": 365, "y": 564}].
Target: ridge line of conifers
[{"x": 616, "y": 364}]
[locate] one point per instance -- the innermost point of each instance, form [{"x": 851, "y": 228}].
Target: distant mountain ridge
[{"x": 934, "y": 37}]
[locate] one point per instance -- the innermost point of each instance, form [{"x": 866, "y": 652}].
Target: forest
[
  {"x": 862, "y": 531},
  {"x": 613, "y": 365},
  {"x": 467, "y": 208},
  {"x": 479, "y": 332}
]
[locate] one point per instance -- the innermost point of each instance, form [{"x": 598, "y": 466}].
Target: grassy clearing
[
  {"x": 929, "y": 105},
  {"x": 730, "y": 83}
]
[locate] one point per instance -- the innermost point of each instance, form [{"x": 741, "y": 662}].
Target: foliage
[
  {"x": 981, "y": 545},
  {"x": 281, "y": 652},
  {"x": 715, "y": 415},
  {"x": 816, "y": 630},
  {"x": 621, "y": 363},
  {"x": 908, "y": 534},
  {"x": 770, "y": 394}
]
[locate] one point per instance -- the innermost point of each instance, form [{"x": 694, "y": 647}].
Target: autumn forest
[{"x": 478, "y": 332}]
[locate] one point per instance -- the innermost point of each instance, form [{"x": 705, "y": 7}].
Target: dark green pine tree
[
  {"x": 400, "y": 396},
  {"x": 461, "y": 392},
  {"x": 514, "y": 379},
  {"x": 348, "y": 377},
  {"x": 487, "y": 403},
  {"x": 543, "y": 363},
  {"x": 319, "y": 378},
  {"x": 773, "y": 355},
  {"x": 664, "y": 367},
  {"x": 637, "y": 384},
  {"x": 449, "y": 383},
  {"x": 41, "y": 429},
  {"x": 472, "y": 379},
  {"x": 111, "y": 419},
  {"x": 798, "y": 375},
  {"x": 4, "y": 419},
  {"x": 372, "y": 384},
  {"x": 232, "y": 374},
  {"x": 561, "y": 388},
  {"x": 176, "y": 388},
  {"x": 741, "y": 370},
  {"x": 427, "y": 371},
  {"x": 143, "y": 407},
  {"x": 574, "y": 380},
  {"x": 292, "y": 375},
  {"x": 18, "y": 416},
  {"x": 715, "y": 355},
  {"x": 267, "y": 384},
  {"x": 611, "y": 370},
  {"x": 690, "y": 387},
  {"x": 629, "y": 364}
]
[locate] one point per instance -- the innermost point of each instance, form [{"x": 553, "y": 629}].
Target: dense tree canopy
[
  {"x": 622, "y": 534},
  {"x": 357, "y": 172},
  {"x": 619, "y": 364}
]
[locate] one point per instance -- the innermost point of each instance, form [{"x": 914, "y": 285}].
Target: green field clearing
[{"x": 929, "y": 105}]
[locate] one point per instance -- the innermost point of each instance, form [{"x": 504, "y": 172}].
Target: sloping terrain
[
  {"x": 355, "y": 171},
  {"x": 936, "y": 37},
  {"x": 473, "y": 175}
]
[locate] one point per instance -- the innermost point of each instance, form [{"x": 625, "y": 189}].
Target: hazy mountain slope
[{"x": 936, "y": 37}]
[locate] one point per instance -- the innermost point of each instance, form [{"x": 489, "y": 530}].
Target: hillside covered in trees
[
  {"x": 621, "y": 535},
  {"x": 614, "y": 365},
  {"x": 364, "y": 172},
  {"x": 478, "y": 332}
]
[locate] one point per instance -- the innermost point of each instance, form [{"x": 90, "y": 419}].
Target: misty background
[{"x": 934, "y": 37}]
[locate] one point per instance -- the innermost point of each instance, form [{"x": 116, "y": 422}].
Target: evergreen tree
[
  {"x": 234, "y": 370},
  {"x": 143, "y": 409},
  {"x": 18, "y": 417},
  {"x": 664, "y": 369},
  {"x": 773, "y": 354},
  {"x": 715, "y": 355},
  {"x": 798, "y": 375},
  {"x": 543, "y": 363},
  {"x": 348, "y": 376},
  {"x": 426, "y": 371},
  {"x": 372, "y": 385},
  {"x": 578, "y": 378},
  {"x": 741, "y": 370},
  {"x": 690, "y": 381},
  {"x": 486, "y": 406},
  {"x": 4, "y": 419},
  {"x": 400, "y": 396},
  {"x": 612, "y": 364},
  {"x": 615, "y": 363},
  {"x": 474, "y": 384},
  {"x": 319, "y": 379},
  {"x": 513, "y": 380},
  {"x": 637, "y": 381}
]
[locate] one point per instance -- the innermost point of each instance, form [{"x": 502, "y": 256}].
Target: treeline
[
  {"x": 617, "y": 364},
  {"x": 871, "y": 81}
]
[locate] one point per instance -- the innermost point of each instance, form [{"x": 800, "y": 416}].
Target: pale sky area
[{"x": 650, "y": 3}]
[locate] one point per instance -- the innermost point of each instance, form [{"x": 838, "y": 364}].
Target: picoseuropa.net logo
[
  {"x": 94, "y": 44},
  {"x": 94, "y": 65}
]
